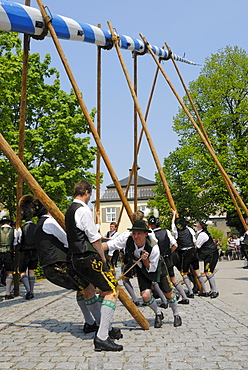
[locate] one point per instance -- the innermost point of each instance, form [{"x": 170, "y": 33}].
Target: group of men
[
  {"x": 10, "y": 238},
  {"x": 76, "y": 259}
]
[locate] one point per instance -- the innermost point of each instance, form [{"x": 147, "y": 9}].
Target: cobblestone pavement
[{"x": 46, "y": 332}]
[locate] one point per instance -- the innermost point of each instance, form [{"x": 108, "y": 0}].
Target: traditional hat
[
  {"x": 152, "y": 220},
  {"x": 31, "y": 207},
  {"x": 203, "y": 224},
  {"x": 180, "y": 223},
  {"x": 5, "y": 218},
  {"x": 140, "y": 225}
]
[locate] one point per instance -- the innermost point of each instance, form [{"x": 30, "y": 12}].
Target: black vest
[
  {"x": 50, "y": 249},
  {"x": 129, "y": 256},
  {"x": 185, "y": 239},
  {"x": 6, "y": 239},
  {"x": 108, "y": 234},
  {"x": 163, "y": 242},
  {"x": 28, "y": 241},
  {"x": 77, "y": 239},
  {"x": 208, "y": 247}
]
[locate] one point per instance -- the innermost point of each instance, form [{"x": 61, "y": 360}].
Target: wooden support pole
[
  {"x": 140, "y": 137},
  {"x": 19, "y": 186},
  {"x": 135, "y": 135},
  {"x": 133, "y": 309},
  {"x": 232, "y": 195},
  {"x": 98, "y": 155},
  {"x": 142, "y": 119},
  {"x": 194, "y": 124},
  {"x": 84, "y": 109}
]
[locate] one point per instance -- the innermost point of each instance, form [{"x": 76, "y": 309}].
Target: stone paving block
[
  {"x": 230, "y": 365},
  {"x": 5, "y": 365},
  {"x": 180, "y": 366},
  {"x": 45, "y": 366},
  {"x": 131, "y": 367}
]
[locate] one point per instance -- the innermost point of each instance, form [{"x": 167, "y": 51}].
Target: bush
[{"x": 39, "y": 274}]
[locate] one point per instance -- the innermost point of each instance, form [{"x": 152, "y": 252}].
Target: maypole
[{"x": 23, "y": 19}]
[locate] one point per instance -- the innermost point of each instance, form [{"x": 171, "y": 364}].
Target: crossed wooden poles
[{"x": 24, "y": 174}]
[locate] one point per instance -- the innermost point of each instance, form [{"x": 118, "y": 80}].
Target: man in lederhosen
[
  {"x": 149, "y": 270},
  {"x": 167, "y": 244},
  {"x": 186, "y": 253},
  {"x": 28, "y": 255},
  {"x": 88, "y": 259},
  {"x": 208, "y": 252}
]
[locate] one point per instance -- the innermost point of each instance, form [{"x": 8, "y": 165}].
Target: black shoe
[
  {"x": 183, "y": 301},
  {"x": 214, "y": 295},
  {"x": 190, "y": 295},
  {"x": 106, "y": 345},
  {"x": 115, "y": 333},
  {"x": 90, "y": 328},
  {"x": 158, "y": 320},
  {"x": 177, "y": 321},
  {"x": 245, "y": 267},
  {"x": 164, "y": 305},
  {"x": 29, "y": 295},
  {"x": 136, "y": 303},
  {"x": 9, "y": 296},
  {"x": 204, "y": 294}
]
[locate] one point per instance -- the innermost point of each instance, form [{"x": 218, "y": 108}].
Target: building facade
[{"x": 111, "y": 204}]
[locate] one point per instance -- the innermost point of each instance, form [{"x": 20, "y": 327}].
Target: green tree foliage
[
  {"x": 57, "y": 150},
  {"x": 220, "y": 95}
]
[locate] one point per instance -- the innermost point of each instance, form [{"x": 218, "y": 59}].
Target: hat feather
[
  {"x": 147, "y": 211},
  {"x": 155, "y": 213}
]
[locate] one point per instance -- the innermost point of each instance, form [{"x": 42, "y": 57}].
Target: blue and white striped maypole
[{"x": 24, "y": 19}]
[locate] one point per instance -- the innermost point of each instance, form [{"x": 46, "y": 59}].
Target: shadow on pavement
[{"x": 20, "y": 300}]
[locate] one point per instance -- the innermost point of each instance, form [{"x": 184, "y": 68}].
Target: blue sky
[{"x": 194, "y": 27}]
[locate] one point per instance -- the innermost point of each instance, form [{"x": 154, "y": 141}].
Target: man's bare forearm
[{"x": 98, "y": 246}]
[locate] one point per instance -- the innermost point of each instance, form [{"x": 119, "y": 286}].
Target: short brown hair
[
  {"x": 81, "y": 187},
  {"x": 139, "y": 215}
]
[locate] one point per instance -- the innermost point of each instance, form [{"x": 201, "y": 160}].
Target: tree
[
  {"x": 57, "y": 151},
  {"x": 220, "y": 95}
]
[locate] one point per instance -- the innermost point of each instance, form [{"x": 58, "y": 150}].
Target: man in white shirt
[
  {"x": 138, "y": 247},
  {"x": 208, "y": 252},
  {"x": 89, "y": 261},
  {"x": 187, "y": 254},
  {"x": 111, "y": 234}
]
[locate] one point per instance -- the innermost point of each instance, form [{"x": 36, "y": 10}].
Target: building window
[
  {"x": 131, "y": 192},
  {"x": 111, "y": 214}
]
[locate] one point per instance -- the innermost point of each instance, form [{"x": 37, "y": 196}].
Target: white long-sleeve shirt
[
  {"x": 202, "y": 238},
  {"x": 85, "y": 222},
  {"x": 52, "y": 227},
  {"x": 120, "y": 243}
]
